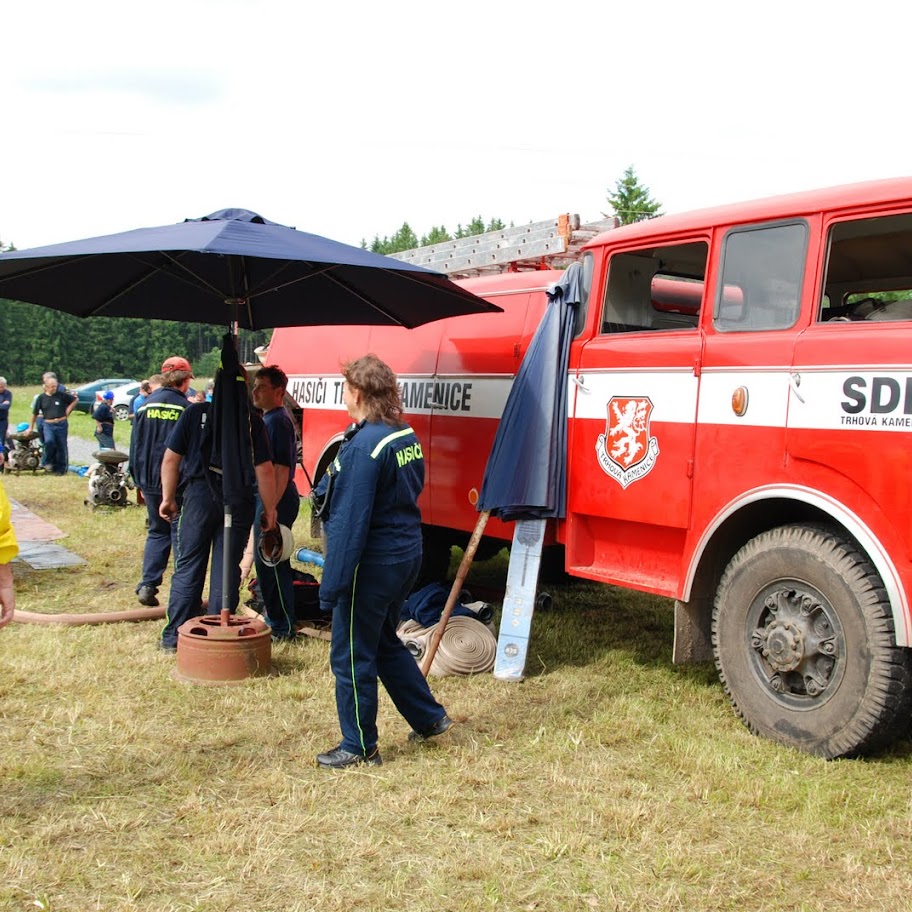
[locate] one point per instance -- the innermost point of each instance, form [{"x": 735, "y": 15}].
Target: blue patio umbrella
[
  {"x": 232, "y": 265},
  {"x": 234, "y": 268},
  {"x": 526, "y": 473}
]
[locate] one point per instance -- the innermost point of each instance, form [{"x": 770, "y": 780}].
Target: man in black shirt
[{"x": 55, "y": 407}]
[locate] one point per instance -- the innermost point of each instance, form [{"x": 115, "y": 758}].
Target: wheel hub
[
  {"x": 783, "y": 647},
  {"x": 795, "y": 643}
]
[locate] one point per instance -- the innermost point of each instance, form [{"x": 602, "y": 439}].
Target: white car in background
[{"x": 123, "y": 396}]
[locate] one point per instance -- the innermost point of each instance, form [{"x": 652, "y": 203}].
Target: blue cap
[
  {"x": 108, "y": 394},
  {"x": 22, "y": 427}
]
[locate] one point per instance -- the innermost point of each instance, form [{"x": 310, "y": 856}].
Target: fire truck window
[
  {"x": 869, "y": 271},
  {"x": 762, "y": 271},
  {"x": 660, "y": 288}
]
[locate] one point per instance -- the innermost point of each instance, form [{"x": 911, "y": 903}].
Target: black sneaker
[
  {"x": 166, "y": 647},
  {"x": 438, "y": 728},
  {"x": 339, "y": 758},
  {"x": 146, "y": 595}
]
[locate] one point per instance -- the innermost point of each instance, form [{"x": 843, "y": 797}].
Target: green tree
[
  {"x": 476, "y": 226},
  {"x": 631, "y": 201},
  {"x": 437, "y": 235},
  {"x": 403, "y": 239}
]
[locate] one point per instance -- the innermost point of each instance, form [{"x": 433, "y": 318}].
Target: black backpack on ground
[{"x": 306, "y": 596}]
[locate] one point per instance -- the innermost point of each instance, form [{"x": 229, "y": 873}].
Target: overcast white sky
[{"x": 347, "y": 118}]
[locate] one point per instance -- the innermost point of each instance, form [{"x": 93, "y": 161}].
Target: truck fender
[{"x": 693, "y": 612}]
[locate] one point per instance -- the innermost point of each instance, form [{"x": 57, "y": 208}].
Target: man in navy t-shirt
[{"x": 276, "y": 582}]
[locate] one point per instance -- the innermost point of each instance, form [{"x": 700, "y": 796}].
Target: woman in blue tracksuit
[{"x": 373, "y": 554}]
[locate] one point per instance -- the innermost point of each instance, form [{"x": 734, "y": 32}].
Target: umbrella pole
[
  {"x": 456, "y": 588},
  {"x": 224, "y": 613}
]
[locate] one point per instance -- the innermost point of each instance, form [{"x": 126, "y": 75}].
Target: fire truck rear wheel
[{"x": 804, "y": 643}]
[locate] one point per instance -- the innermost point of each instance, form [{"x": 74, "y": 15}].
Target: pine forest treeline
[{"x": 36, "y": 339}]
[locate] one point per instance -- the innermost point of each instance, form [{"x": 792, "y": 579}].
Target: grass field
[{"x": 609, "y": 779}]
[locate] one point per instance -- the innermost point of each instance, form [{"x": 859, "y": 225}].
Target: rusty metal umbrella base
[{"x": 217, "y": 649}]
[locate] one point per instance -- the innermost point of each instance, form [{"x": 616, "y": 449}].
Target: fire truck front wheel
[{"x": 804, "y": 643}]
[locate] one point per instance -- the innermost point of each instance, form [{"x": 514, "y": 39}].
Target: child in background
[{"x": 104, "y": 421}]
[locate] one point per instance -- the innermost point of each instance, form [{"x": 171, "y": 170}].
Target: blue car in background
[{"x": 87, "y": 394}]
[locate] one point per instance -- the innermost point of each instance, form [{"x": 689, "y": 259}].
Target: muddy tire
[{"x": 804, "y": 643}]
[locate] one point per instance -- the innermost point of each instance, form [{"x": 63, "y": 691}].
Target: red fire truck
[{"x": 740, "y": 428}]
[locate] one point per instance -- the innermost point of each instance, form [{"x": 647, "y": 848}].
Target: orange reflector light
[{"x": 739, "y": 401}]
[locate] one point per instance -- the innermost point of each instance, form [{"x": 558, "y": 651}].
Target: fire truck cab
[{"x": 740, "y": 418}]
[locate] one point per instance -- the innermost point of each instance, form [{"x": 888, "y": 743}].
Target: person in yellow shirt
[{"x": 8, "y": 550}]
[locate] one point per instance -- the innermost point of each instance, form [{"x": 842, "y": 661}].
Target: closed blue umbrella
[
  {"x": 227, "y": 446},
  {"x": 526, "y": 474}
]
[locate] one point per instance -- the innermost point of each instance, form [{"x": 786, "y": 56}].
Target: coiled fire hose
[{"x": 466, "y": 647}]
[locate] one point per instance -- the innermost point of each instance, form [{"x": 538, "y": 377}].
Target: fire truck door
[
  {"x": 634, "y": 388},
  {"x": 747, "y": 362},
  {"x": 850, "y": 415}
]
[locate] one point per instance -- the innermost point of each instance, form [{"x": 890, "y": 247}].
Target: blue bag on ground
[{"x": 426, "y": 605}]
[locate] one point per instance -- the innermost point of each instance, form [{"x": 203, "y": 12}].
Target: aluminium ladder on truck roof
[{"x": 551, "y": 244}]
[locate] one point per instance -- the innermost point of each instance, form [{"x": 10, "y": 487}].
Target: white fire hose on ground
[{"x": 467, "y": 646}]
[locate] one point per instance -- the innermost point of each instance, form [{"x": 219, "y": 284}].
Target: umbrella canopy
[
  {"x": 233, "y": 265},
  {"x": 526, "y": 476}
]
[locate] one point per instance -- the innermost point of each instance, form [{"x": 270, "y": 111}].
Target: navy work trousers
[
  {"x": 55, "y": 446},
  {"x": 276, "y": 583},
  {"x": 365, "y": 647},
  {"x": 161, "y": 536},
  {"x": 201, "y": 530}
]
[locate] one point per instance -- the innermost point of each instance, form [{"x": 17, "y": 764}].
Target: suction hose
[
  {"x": 101, "y": 617},
  {"x": 139, "y": 614}
]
